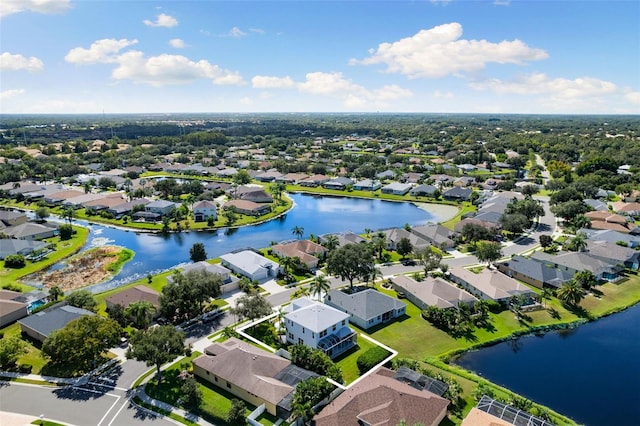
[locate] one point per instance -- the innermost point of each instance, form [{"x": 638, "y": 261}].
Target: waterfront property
[
  {"x": 250, "y": 264},
  {"x": 252, "y": 374},
  {"x": 436, "y": 234},
  {"x": 574, "y": 262},
  {"x": 489, "y": 284},
  {"x": 394, "y": 235},
  {"x": 9, "y": 246},
  {"x": 319, "y": 326},
  {"x": 431, "y": 292},
  {"x": 534, "y": 273},
  {"x": 381, "y": 399},
  {"x": 229, "y": 282},
  {"x": 307, "y": 251},
  {"x": 367, "y": 307},
  {"x": 489, "y": 412},
  {"x": 139, "y": 293},
  {"x": 204, "y": 209}
]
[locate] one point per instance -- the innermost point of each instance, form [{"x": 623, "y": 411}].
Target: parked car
[{"x": 409, "y": 262}]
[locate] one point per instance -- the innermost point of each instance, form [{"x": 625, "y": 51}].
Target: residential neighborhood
[{"x": 285, "y": 313}]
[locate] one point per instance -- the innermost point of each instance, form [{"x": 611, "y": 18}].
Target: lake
[
  {"x": 590, "y": 373},
  {"x": 316, "y": 214}
]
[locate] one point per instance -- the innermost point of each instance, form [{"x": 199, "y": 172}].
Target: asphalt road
[{"x": 76, "y": 406}]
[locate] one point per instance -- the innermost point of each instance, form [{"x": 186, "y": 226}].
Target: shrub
[
  {"x": 25, "y": 368},
  {"x": 12, "y": 287},
  {"x": 14, "y": 261},
  {"x": 65, "y": 231},
  {"x": 236, "y": 413},
  {"x": 371, "y": 358}
]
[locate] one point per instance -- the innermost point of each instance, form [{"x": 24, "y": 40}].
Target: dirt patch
[{"x": 87, "y": 268}]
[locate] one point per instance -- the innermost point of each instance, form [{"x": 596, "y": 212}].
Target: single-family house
[
  {"x": 102, "y": 203},
  {"x": 367, "y": 185},
  {"x": 307, "y": 251},
  {"x": 614, "y": 254},
  {"x": 534, "y": 273},
  {"x": 435, "y": 234},
  {"x": 139, "y": 293},
  {"x": 61, "y": 196},
  {"x": 204, "y": 209},
  {"x": 227, "y": 172},
  {"x": 9, "y": 246},
  {"x": 248, "y": 208},
  {"x": 254, "y": 193},
  {"x": 611, "y": 221},
  {"x": 339, "y": 183},
  {"x": 160, "y": 207},
  {"x": 319, "y": 326},
  {"x": 127, "y": 207},
  {"x": 574, "y": 262},
  {"x": 431, "y": 292},
  {"x": 464, "y": 181},
  {"x": 598, "y": 205},
  {"x": 31, "y": 231},
  {"x": 411, "y": 177},
  {"x": 367, "y": 307},
  {"x": 229, "y": 282},
  {"x": 315, "y": 180},
  {"x": 292, "y": 178},
  {"x": 268, "y": 176},
  {"x": 457, "y": 194},
  {"x": 394, "y": 235},
  {"x": 40, "y": 325},
  {"x": 382, "y": 399},
  {"x": 489, "y": 284},
  {"x": 458, "y": 227},
  {"x": 10, "y": 309},
  {"x": 490, "y": 412},
  {"x": 344, "y": 238},
  {"x": 396, "y": 188},
  {"x": 627, "y": 209},
  {"x": 612, "y": 237},
  {"x": 423, "y": 191},
  {"x": 387, "y": 174},
  {"x": 250, "y": 264},
  {"x": 12, "y": 217},
  {"x": 252, "y": 374}
]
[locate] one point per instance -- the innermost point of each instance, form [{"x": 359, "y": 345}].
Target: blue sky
[{"x": 494, "y": 56}]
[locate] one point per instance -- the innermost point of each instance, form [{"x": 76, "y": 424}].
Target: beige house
[
  {"x": 305, "y": 250},
  {"x": 250, "y": 373}
]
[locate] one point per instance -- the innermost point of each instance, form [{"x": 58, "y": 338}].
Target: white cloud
[
  {"x": 335, "y": 85},
  {"x": 502, "y": 2},
  {"x": 170, "y": 69},
  {"x": 246, "y": 101},
  {"x": 10, "y": 62},
  {"x": 633, "y": 97},
  {"x": 236, "y": 32},
  {"x": 177, "y": 43},
  {"x": 12, "y": 93},
  {"x": 162, "y": 20},
  {"x": 257, "y": 30},
  {"x": 266, "y": 82},
  {"x": 48, "y": 7},
  {"x": 440, "y": 51},
  {"x": 101, "y": 51},
  {"x": 541, "y": 84},
  {"x": 440, "y": 2}
]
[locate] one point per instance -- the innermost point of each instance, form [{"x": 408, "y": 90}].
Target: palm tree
[
  {"x": 547, "y": 293},
  {"x": 319, "y": 285},
  {"x": 298, "y": 231},
  {"x": 579, "y": 242},
  {"x": 379, "y": 243},
  {"x": 571, "y": 293},
  {"x": 141, "y": 313},
  {"x": 67, "y": 214},
  {"x": 276, "y": 189},
  {"x": 287, "y": 263},
  {"x": 367, "y": 232},
  {"x": 331, "y": 242}
]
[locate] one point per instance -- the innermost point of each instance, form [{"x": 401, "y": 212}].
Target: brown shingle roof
[
  {"x": 247, "y": 367},
  {"x": 381, "y": 400},
  {"x": 135, "y": 294}
]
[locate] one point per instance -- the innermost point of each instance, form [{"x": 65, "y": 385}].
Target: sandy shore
[{"x": 442, "y": 212}]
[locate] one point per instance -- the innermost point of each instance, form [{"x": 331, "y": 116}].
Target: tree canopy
[
  {"x": 252, "y": 306},
  {"x": 156, "y": 346},
  {"x": 183, "y": 297},
  {"x": 351, "y": 261},
  {"x": 81, "y": 343}
]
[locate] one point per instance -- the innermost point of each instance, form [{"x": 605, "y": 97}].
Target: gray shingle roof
[
  {"x": 365, "y": 304},
  {"x": 54, "y": 318}
]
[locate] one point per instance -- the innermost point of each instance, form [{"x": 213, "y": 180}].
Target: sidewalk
[{"x": 140, "y": 393}]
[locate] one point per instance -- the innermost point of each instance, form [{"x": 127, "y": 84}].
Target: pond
[
  {"x": 589, "y": 373},
  {"x": 316, "y": 214}
]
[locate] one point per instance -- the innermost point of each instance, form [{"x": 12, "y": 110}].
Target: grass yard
[
  {"x": 216, "y": 402},
  {"x": 347, "y": 362}
]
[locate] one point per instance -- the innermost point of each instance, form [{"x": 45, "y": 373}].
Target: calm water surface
[
  {"x": 317, "y": 215},
  {"x": 590, "y": 374}
]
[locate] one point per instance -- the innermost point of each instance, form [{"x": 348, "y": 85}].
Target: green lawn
[
  {"x": 347, "y": 362},
  {"x": 466, "y": 208},
  {"x": 63, "y": 250},
  {"x": 216, "y": 402}
]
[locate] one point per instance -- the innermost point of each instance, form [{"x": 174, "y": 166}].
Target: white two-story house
[{"x": 319, "y": 326}]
